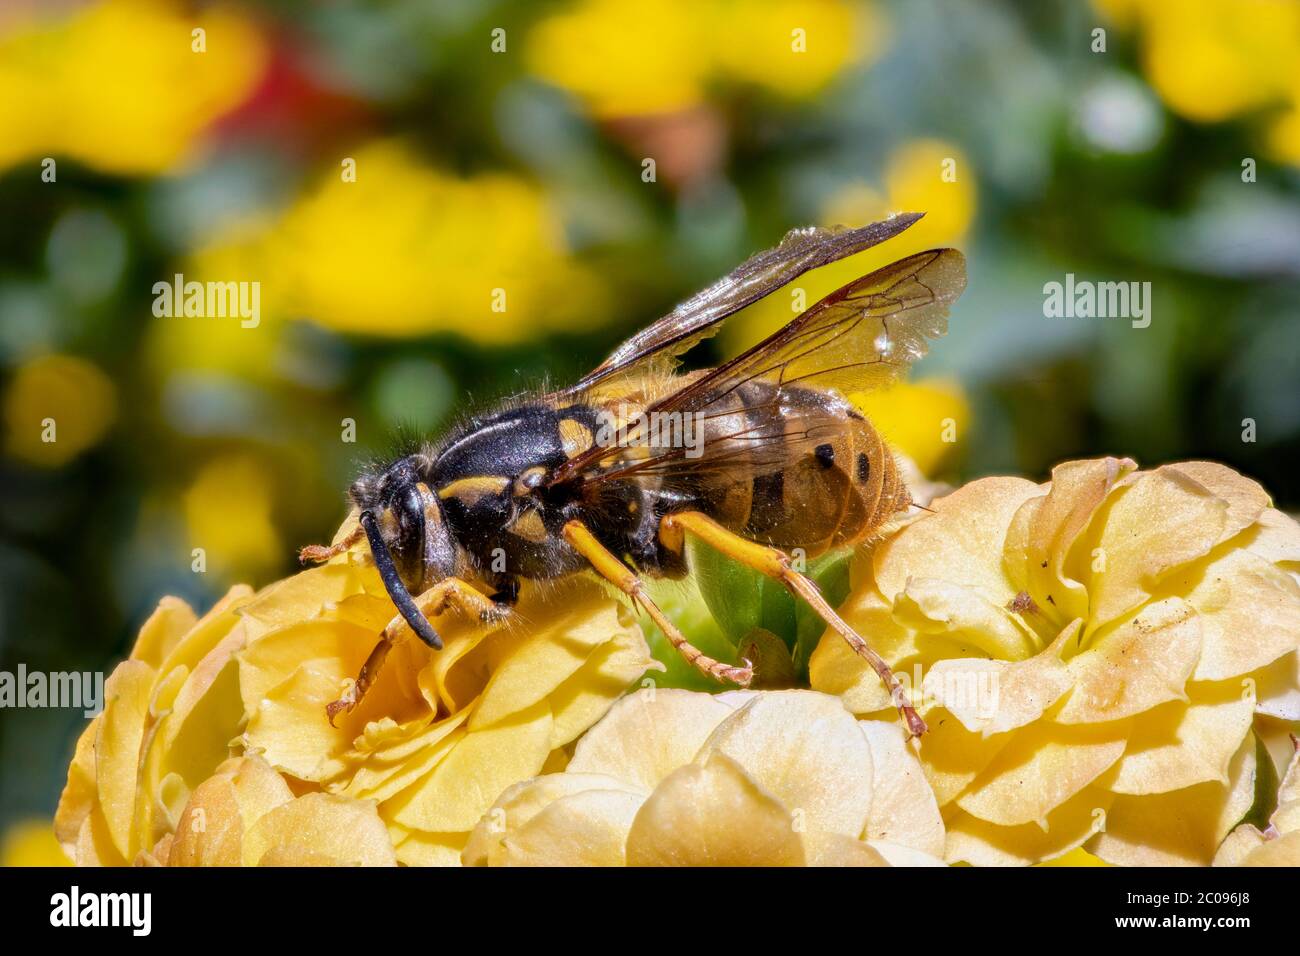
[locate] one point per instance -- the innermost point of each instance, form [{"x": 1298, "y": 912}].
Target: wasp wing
[
  {"x": 700, "y": 316},
  {"x": 862, "y": 336}
]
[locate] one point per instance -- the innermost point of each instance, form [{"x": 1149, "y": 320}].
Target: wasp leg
[
  {"x": 608, "y": 566},
  {"x": 776, "y": 565},
  {"x": 453, "y": 592},
  {"x": 320, "y": 553}
]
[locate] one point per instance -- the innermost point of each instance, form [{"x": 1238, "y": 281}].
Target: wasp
[{"x": 588, "y": 479}]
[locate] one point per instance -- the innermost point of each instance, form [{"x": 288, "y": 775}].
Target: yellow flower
[
  {"x": 406, "y": 249},
  {"x": 118, "y": 86},
  {"x": 1212, "y": 60},
  {"x": 925, "y": 175},
  {"x": 623, "y": 60},
  {"x": 228, "y": 512},
  {"x": 31, "y": 843},
  {"x": 1090, "y": 655},
  {"x": 57, "y": 407},
  {"x": 1279, "y": 844},
  {"x": 923, "y": 420},
  {"x": 680, "y": 778},
  {"x": 438, "y": 737}
]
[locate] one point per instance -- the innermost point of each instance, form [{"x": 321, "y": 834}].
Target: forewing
[
  {"x": 862, "y": 336},
  {"x": 700, "y": 316}
]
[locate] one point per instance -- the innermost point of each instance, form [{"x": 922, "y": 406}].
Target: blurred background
[{"x": 445, "y": 202}]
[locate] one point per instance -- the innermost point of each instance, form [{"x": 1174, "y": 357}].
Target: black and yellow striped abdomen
[{"x": 807, "y": 470}]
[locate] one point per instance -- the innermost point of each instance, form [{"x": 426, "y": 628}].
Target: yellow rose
[
  {"x": 680, "y": 778},
  {"x": 437, "y": 738},
  {"x": 1091, "y": 656}
]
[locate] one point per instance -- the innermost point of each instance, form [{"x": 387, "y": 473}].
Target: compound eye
[{"x": 530, "y": 479}]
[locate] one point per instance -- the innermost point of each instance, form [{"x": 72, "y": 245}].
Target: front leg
[{"x": 449, "y": 592}]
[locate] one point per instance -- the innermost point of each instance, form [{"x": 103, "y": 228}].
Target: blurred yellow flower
[
  {"x": 1212, "y": 60},
  {"x": 56, "y": 407},
  {"x": 32, "y": 843},
  {"x": 1090, "y": 656},
  {"x": 117, "y": 85},
  {"x": 929, "y": 176},
  {"x": 924, "y": 420},
  {"x": 408, "y": 250},
  {"x": 1279, "y": 844},
  {"x": 630, "y": 60},
  {"x": 438, "y": 737},
  {"x": 746, "y": 778},
  {"x": 229, "y": 508}
]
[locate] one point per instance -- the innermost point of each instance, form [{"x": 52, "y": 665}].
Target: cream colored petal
[
  {"x": 713, "y": 814},
  {"x": 585, "y": 697},
  {"x": 835, "y": 668},
  {"x": 430, "y": 849},
  {"x": 994, "y": 696},
  {"x": 589, "y": 828},
  {"x": 1275, "y": 538},
  {"x": 806, "y": 750},
  {"x": 953, "y": 756},
  {"x": 649, "y": 734},
  {"x": 1249, "y": 609},
  {"x": 1180, "y": 828},
  {"x": 576, "y": 622},
  {"x": 836, "y": 849},
  {"x": 1245, "y": 498},
  {"x": 962, "y": 543},
  {"x": 903, "y": 809},
  {"x": 1277, "y": 688},
  {"x": 1178, "y": 745},
  {"x": 162, "y": 631},
  {"x": 964, "y": 616},
  {"x": 1077, "y": 490},
  {"x": 980, "y": 843},
  {"x": 119, "y": 736},
  {"x": 348, "y": 832},
  {"x": 1138, "y": 664},
  {"x": 464, "y": 784},
  {"x": 1043, "y": 766},
  {"x": 895, "y": 854},
  {"x": 519, "y": 803},
  {"x": 1286, "y": 818},
  {"x": 1238, "y": 845},
  {"x": 1150, "y": 527},
  {"x": 1284, "y": 851}
]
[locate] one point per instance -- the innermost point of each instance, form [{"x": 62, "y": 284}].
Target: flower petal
[
  {"x": 1249, "y": 609},
  {"x": 713, "y": 814},
  {"x": 1043, "y": 766},
  {"x": 1245, "y": 498},
  {"x": 980, "y": 843},
  {"x": 835, "y": 668},
  {"x": 994, "y": 696},
  {"x": 464, "y": 784},
  {"x": 1138, "y": 664},
  {"x": 903, "y": 809},
  {"x": 836, "y": 849},
  {"x": 586, "y": 697},
  {"x": 347, "y": 832},
  {"x": 961, "y": 543},
  {"x": 1180, "y": 828},
  {"x": 805, "y": 749},
  {"x": 963, "y": 616},
  {"x": 1152, "y": 525},
  {"x": 649, "y": 734},
  {"x": 1181, "y": 744},
  {"x": 588, "y": 828}
]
